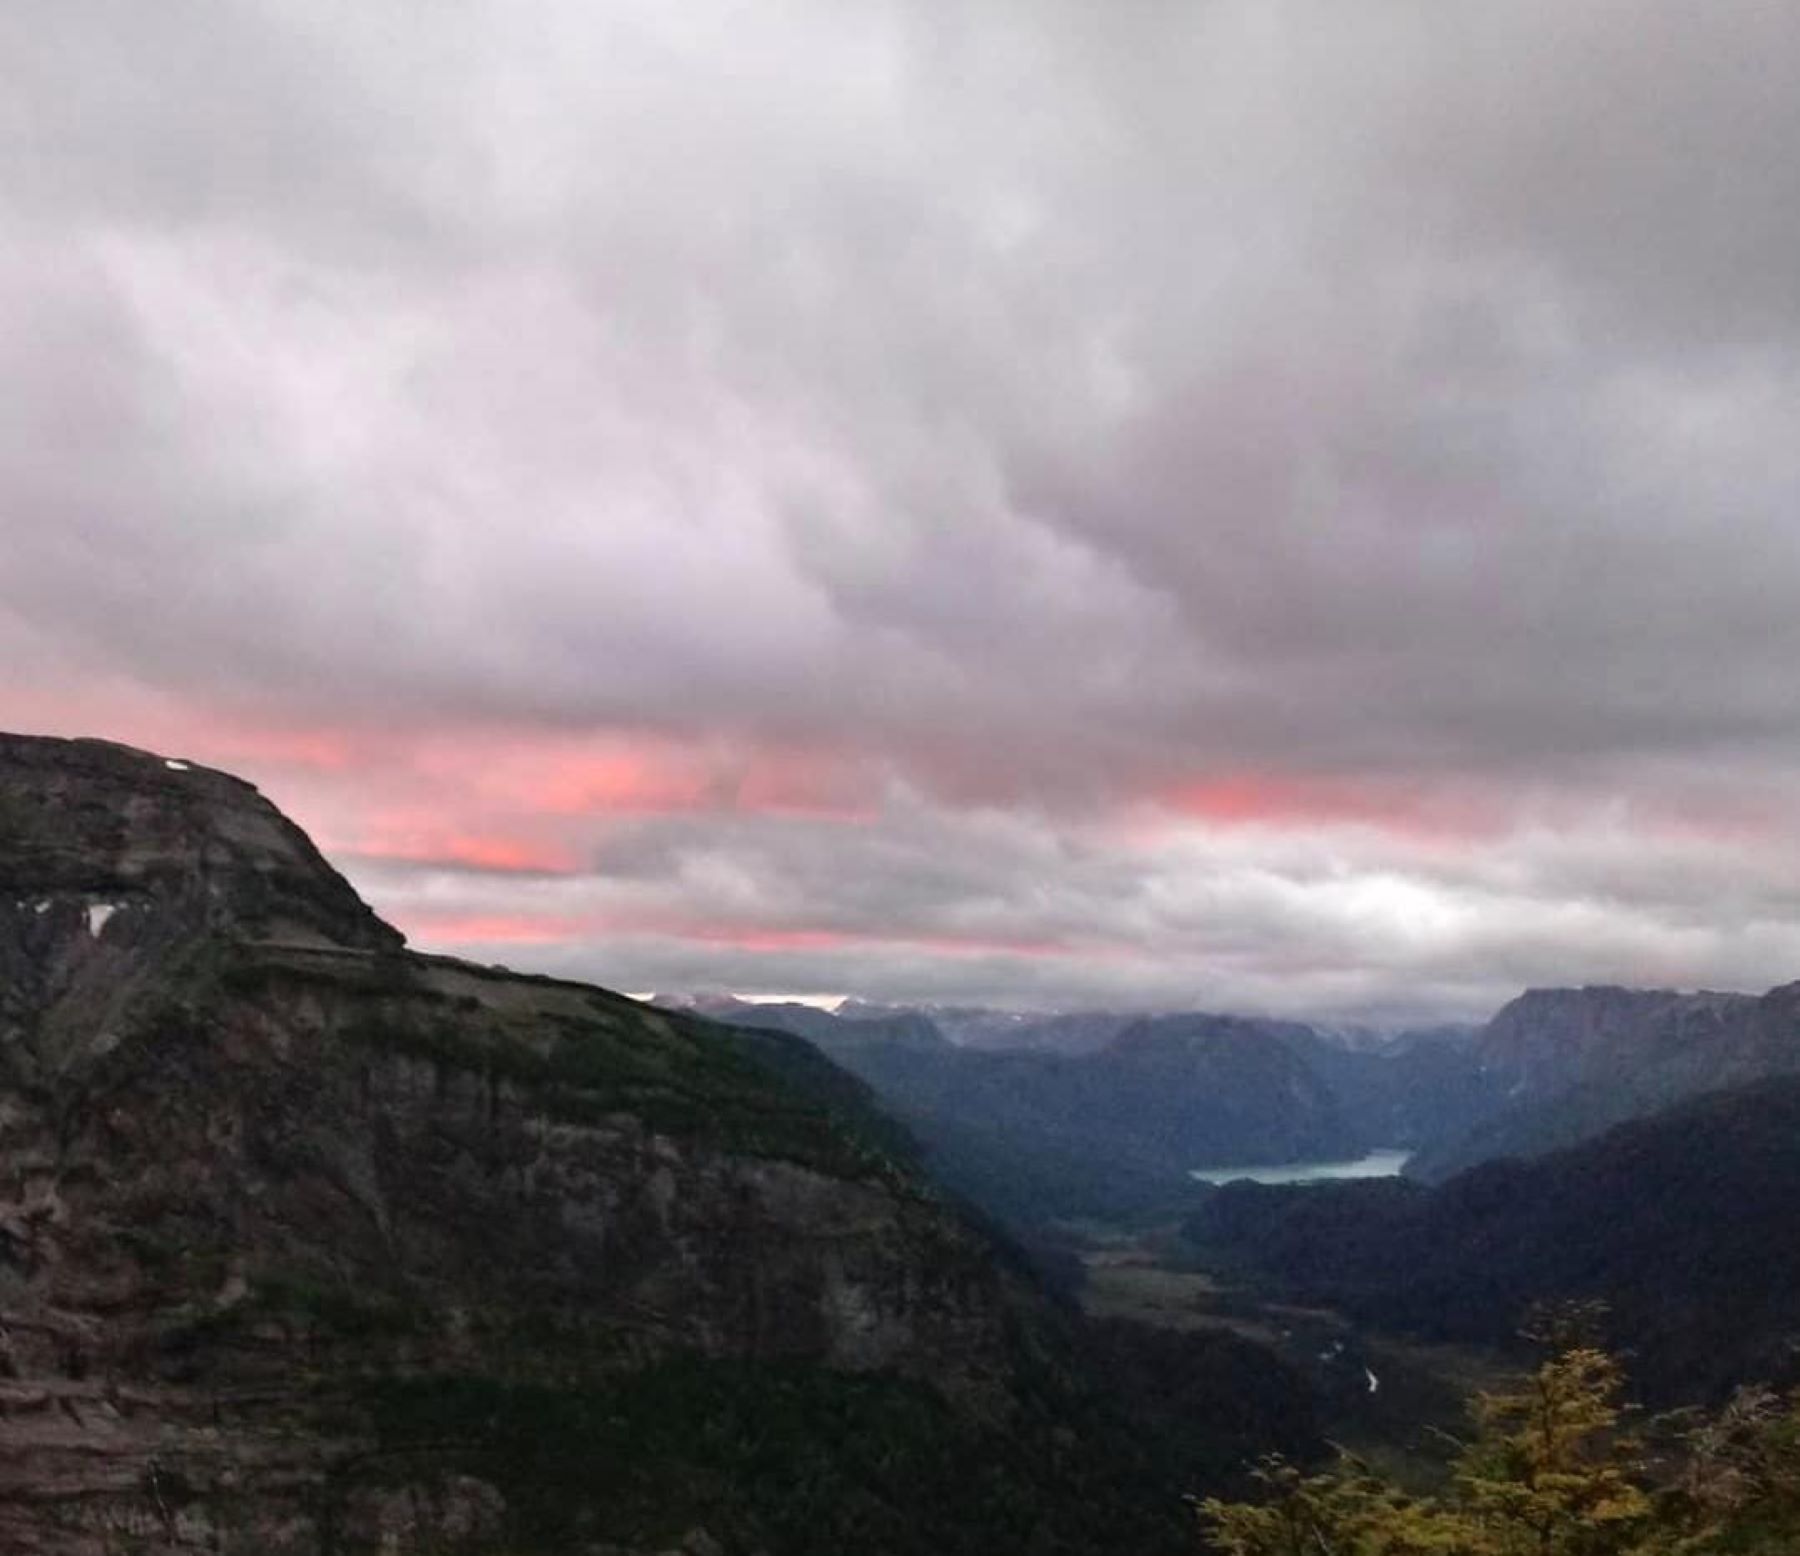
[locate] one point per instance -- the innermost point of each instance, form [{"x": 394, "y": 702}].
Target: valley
[
  {"x": 1636, "y": 1149},
  {"x": 1398, "y": 1404}
]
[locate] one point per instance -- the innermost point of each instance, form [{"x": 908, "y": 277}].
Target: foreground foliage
[{"x": 1557, "y": 1468}]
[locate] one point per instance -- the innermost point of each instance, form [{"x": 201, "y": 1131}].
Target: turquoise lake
[{"x": 1377, "y": 1164}]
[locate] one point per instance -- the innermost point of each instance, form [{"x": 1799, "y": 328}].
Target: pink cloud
[
  {"x": 621, "y": 774},
  {"x": 1283, "y": 801},
  {"x": 431, "y": 928},
  {"x": 466, "y": 851}
]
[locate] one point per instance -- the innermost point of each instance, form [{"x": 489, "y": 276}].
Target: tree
[
  {"x": 1555, "y": 1468},
  {"x": 1551, "y": 1471},
  {"x": 1345, "y": 1511},
  {"x": 1737, "y": 1492}
]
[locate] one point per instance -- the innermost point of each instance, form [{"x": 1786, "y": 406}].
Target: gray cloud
[
  {"x": 1026, "y": 411},
  {"x": 960, "y": 905}
]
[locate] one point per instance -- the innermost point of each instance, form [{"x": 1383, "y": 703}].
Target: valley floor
[{"x": 1396, "y": 1404}]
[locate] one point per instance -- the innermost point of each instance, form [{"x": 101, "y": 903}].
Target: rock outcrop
[{"x": 311, "y": 1244}]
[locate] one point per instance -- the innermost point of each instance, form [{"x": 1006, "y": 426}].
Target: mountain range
[
  {"x": 1033, "y": 1134},
  {"x": 1113, "y": 1122}
]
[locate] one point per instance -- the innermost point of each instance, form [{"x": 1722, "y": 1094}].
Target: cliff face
[
  {"x": 1550, "y": 1040},
  {"x": 304, "y": 1237},
  {"x": 1563, "y": 1065}
]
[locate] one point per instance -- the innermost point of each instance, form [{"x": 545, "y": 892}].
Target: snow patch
[
  {"x": 175, "y": 766},
  {"x": 97, "y": 915}
]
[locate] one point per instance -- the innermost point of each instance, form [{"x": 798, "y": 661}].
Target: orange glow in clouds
[
  {"x": 499, "y": 855},
  {"x": 492, "y": 929},
  {"x": 644, "y": 782},
  {"x": 646, "y": 776},
  {"x": 476, "y": 929}
]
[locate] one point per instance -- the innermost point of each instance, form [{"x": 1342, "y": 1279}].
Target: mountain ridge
[{"x": 1563, "y": 1065}]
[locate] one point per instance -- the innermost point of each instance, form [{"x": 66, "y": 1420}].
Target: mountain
[
  {"x": 311, "y": 1244},
  {"x": 1195, "y": 1089},
  {"x": 978, "y": 1026},
  {"x": 1033, "y": 1136},
  {"x": 1412, "y": 1087},
  {"x": 1562, "y": 1065},
  {"x": 1686, "y": 1224},
  {"x": 1396, "y": 1087},
  {"x": 1089, "y": 1031},
  {"x": 905, "y": 1028}
]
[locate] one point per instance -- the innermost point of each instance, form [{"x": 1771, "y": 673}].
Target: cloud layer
[{"x": 1278, "y": 505}]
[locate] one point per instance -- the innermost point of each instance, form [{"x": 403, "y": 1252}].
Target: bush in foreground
[{"x": 1560, "y": 1467}]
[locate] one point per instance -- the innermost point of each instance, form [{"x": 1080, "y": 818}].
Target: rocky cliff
[
  {"x": 311, "y": 1244},
  {"x": 1563, "y": 1065}
]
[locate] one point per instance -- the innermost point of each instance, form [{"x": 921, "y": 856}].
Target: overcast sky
[{"x": 1274, "y": 505}]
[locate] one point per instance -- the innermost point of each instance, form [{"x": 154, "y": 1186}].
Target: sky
[{"x": 1265, "y": 505}]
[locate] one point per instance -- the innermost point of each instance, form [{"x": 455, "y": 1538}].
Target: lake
[{"x": 1377, "y": 1164}]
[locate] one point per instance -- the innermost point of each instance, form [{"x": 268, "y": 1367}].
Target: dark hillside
[{"x": 1686, "y": 1224}]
